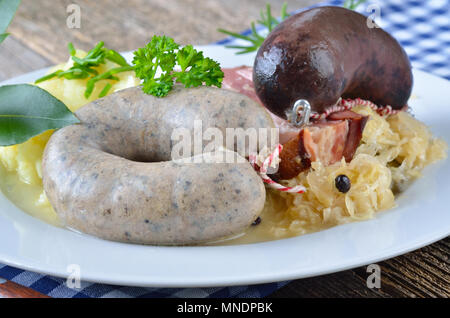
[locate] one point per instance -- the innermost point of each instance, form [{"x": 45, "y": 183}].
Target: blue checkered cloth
[{"x": 421, "y": 27}]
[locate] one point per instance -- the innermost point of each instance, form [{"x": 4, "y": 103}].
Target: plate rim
[
  {"x": 231, "y": 281},
  {"x": 132, "y": 282}
]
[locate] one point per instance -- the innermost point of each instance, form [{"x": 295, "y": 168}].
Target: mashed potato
[
  {"x": 71, "y": 92},
  {"x": 393, "y": 152},
  {"x": 25, "y": 159}
]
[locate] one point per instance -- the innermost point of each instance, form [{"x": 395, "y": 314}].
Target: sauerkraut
[
  {"x": 401, "y": 142},
  {"x": 393, "y": 151}
]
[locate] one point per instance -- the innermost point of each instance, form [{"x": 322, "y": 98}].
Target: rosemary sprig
[
  {"x": 353, "y": 4},
  {"x": 255, "y": 39}
]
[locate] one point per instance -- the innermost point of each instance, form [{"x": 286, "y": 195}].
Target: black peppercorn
[
  {"x": 257, "y": 221},
  {"x": 342, "y": 183}
]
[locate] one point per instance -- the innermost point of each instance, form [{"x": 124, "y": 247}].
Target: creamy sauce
[
  {"x": 272, "y": 227},
  {"x": 26, "y": 196}
]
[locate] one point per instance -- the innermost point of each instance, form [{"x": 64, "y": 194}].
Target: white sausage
[{"x": 112, "y": 176}]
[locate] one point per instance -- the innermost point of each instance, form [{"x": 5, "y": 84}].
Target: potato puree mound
[
  {"x": 25, "y": 159},
  {"x": 394, "y": 150}
]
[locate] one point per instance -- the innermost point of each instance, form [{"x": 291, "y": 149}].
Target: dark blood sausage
[
  {"x": 327, "y": 140},
  {"x": 326, "y": 53}
]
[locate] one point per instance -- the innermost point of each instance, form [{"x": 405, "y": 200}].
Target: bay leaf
[
  {"x": 27, "y": 110},
  {"x": 7, "y": 10}
]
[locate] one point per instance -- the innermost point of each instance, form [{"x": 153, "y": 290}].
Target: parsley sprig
[
  {"x": 255, "y": 39},
  {"x": 155, "y": 64},
  {"x": 162, "y": 55}
]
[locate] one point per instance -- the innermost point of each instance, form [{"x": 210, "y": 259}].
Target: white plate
[{"x": 422, "y": 217}]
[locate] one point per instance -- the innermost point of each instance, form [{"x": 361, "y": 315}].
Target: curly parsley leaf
[
  {"x": 158, "y": 55},
  {"x": 201, "y": 69},
  {"x": 188, "y": 56},
  {"x": 155, "y": 64},
  {"x": 159, "y": 87}
]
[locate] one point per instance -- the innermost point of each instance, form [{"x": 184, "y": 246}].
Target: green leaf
[
  {"x": 48, "y": 76},
  {"x": 204, "y": 71},
  {"x": 3, "y": 36},
  {"x": 353, "y": 4},
  {"x": 159, "y": 87},
  {"x": 71, "y": 48},
  {"x": 84, "y": 67},
  {"x": 105, "y": 90},
  {"x": 159, "y": 56},
  {"x": 27, "y": 110},
  {"x": 107, "y": 75},
  {"x": 284, "y": 13},
  {"x": 7, "y": 10},
  {"x": 255, "y": 39},
  {"x": 188, "y": 56},
  {"x": 115, "y": 57}
]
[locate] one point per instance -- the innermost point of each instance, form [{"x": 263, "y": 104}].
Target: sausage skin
[
  {"x": 326, "y": 53},
  {"x": 112, "y": 175}
]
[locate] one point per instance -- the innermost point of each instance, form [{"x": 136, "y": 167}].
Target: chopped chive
[
  {"x": 89, "y": 88},
  {"x": 72, "y": 50},
  {"x": 105, "y": 90},
  {"x": 115, "y": 57},
  {"x": 83, "y": 68},
  {"x": 47, "y": 77}
]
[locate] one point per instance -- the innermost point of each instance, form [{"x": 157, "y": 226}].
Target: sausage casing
[{"x": 112, "y": 175}]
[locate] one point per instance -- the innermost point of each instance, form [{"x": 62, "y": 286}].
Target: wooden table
[{"x": 39, "y": 38}]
